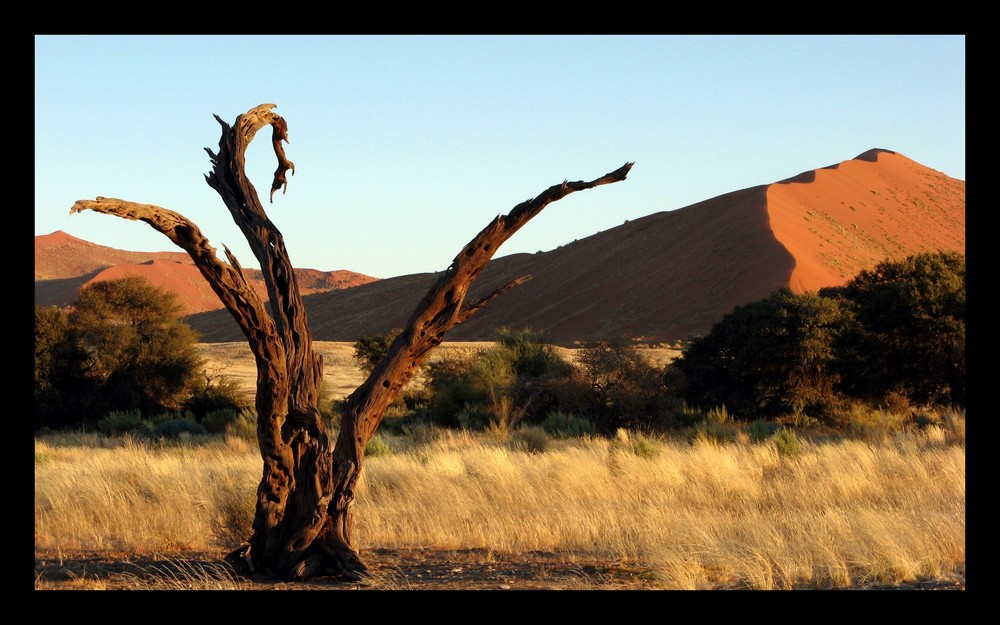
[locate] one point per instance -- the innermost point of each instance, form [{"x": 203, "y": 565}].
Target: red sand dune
[
  {"x": 60, "y": 256},
  {"x": 64, "y": 264},
  {"x": 670, "y": 275},
  {"x": 842, "y": 219},
  {"x": 182, "y": 279}
]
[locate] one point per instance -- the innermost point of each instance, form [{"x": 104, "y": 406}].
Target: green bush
[
  {"x": 530, "y": 438},
  {"x": 172, "y": 415},
  {"x": 218, "y": 421},
  {"x": 64, "y": 393},
  {"x": 450, "y": 390},
  {"x": 419, "y": 433},
  {"x": 513, "y": 381},
  {"x": 244, "y": 426},
  {"x": 634, "y": 443},
  {"x": 787, "y": 443},
  {"x": 475, "y": 417},
  {"x": 143, "y": 355},
  {"x": 769, "y": 357},
  {"x": 645, "y": 447},
  {"x": 121, "y": 422},
  {"x": 177, "y": 428},
  {"x": 213, "y": 394},
  {"x": 712, "y": 433},
  {"x": 719, "y": 415},
  {"x": 760, "y": 430},
  {"x": 619, "y": 387},
  {"x": 121, "y": 346},
  {"x": 370, "y": 349},
  {"x": 377, "y": 447},
  {"x": 910, "y": 335},
  {"x": 561, "y": 424},
  {"x": 892, "y": 335}
]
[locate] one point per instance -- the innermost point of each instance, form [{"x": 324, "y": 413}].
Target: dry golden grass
[{"x": 839, "y": 514}]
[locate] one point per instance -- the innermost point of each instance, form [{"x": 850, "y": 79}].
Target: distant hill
[
  {"x": 670, "y": 275},
  {"x": 64, "y": 264}
]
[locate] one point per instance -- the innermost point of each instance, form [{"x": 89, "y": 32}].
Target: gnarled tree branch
[
  {"x": 443, "y": 307},
  {"x": 228, "y": 281},
  {"x": 440, "y": 310}
]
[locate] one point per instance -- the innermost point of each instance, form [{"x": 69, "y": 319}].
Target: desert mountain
[
  {"x": 670, "y": 275},
  {"x": 64, "y": 264}
]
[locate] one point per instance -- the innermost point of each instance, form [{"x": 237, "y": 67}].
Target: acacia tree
[
  {"x": 302, "y": 520},
  {"x": 122, "y": 345},
  {"x": 767, "y": 358}
]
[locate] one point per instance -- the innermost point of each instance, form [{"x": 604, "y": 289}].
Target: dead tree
[{"x": 302, "y": 523}]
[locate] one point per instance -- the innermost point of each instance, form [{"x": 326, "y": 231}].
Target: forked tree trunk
[{"x": 302, "y": 522}]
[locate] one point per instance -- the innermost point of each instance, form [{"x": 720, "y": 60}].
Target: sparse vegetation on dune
[{"x": 681, "y": 512}]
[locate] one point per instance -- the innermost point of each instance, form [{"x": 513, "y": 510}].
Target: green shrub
[
  {"x": 910, "y": 336},
  {"x": 121, "y": 422},
  {"x": 176, "y": 428},
  {"x": 141, "y": 354},
  {"x": 244, "y": 426},
  {"x": 760, "y": 430},
  {"x": 634, "y": 443},
  {"x": 645, "y": 447},
  {"x": 530, "y": 438},
  {"x": 419, "y": 433},
  {"x": 560, "y": 424},
  {"x": 64, "y": 393},
  {"x": 719, "y": 415},
  {"x": 513, "y": 381},
  {"x": 475, "y": 417},
  {"x": 370, "y": 349},
  {"x": 450, "y": 390},
  {"x": 767, "y": 357},
  {"x": 215, "y": 393},
  {"x": 172, "y": 415},
  {"x": 621, "y": 388},
  {"x": 863, "y": 421},
  {"x": 218, "y": 421},
  {"x": 377, "y": 447},
  {"x": 688, "y": 416},
  {"x": 787, "y": 443}
]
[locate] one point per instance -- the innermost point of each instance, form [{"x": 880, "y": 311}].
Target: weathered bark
[{"x": 302, "y": 523}]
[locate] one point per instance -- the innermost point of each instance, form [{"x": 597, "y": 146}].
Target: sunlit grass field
[{"x": 696, "y": 512}]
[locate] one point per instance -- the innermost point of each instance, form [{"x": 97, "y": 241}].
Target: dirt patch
[{"x": 390, "y": 569}]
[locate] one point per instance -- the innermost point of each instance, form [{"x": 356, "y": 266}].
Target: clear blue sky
[{"x": 406, "y": 146}]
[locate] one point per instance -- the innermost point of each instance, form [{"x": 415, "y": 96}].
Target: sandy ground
[{"x": 390, "y": 569}]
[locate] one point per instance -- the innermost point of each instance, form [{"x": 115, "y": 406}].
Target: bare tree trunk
[{"x": 302, "y": 523}]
